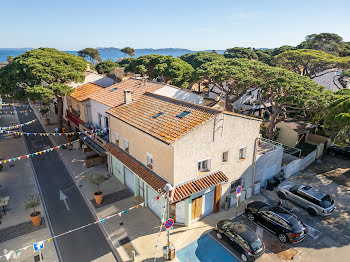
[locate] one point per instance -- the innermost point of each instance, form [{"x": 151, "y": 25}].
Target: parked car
[
  {"x": 277, "y": 220},
  {"x": 339, "y": 151},
  {"x": 241, "y": 238},
  {"x": 315, "y": 201}
]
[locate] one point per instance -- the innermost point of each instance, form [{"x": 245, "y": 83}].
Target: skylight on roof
[
  {"x": 183, "y": 114},
  {"x": 156, "y": 115},
  {"x": 113, "y": 89}
]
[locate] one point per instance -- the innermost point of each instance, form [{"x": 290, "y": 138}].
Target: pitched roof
[
  {"x": 299, "y": 127},
  {"x": 191, "y": 187},
  {"x": 159, "y": 116},
  {"x": 83, "y": 92},
  {"x": 146, "y": 174},
  {"x": 113, "y": 95}
]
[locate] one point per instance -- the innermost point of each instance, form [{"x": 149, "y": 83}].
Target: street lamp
[{"x": 167, "y": 189}]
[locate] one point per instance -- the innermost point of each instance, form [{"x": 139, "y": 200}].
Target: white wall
[
  {"x": 179, "y": 94},
  {"x": 96, "y": 108}
]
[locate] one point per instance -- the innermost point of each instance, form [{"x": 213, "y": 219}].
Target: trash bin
[{"x": 227, "y": 202}]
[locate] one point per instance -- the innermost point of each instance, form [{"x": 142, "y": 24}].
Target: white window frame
[
  {"x": 208, "y": 165},
  {"x": 116, "y": 138},
  {"x": 126, "y": 145},
  {"x": 149, "y": 160},
  {"x": 244, "y": 155},
  {"x": 224, "y": 160}
]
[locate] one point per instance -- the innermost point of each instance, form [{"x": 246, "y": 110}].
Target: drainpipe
[{"x": 254, "y": 163}]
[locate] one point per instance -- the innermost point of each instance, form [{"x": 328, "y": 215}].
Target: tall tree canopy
[
  {"x": 240, "y": 52},
  {"x": 199, "y": 58},
  {"x": 42, "y": 74},
  {"x": 128, "y": 51},
  {"x": 327, "y": 42},
  {"x": 264, "y": 56},
  {"x": 165, "y": 68},
  {"x": 338, "y": 117},
  {"x": 285, "y": 91},
  {"x": 282, "y": 49},
  {"x": 9, "y": 58},
  {"x": 106, "y": 66},
  {"x": 91, "y": 54},
  {"x": 309, "y": 62}
]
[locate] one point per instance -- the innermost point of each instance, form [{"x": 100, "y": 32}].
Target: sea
[{"x": 108, "y": 53}]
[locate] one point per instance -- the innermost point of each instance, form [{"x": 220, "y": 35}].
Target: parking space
[{"x": 205, "y": 249}]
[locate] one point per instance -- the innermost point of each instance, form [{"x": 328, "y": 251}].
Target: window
[
  {"x": 242, "y": 153},
  {"x": 183, "y": 114},
  {"x": 156, "y": 115},
  {"x": 126, "y": 145},
  {"x": 99, "y": 117},
  {"x": 106, "y": 121},
  {"x": 224, "y": 156},
  {"x": 235, "y": 184},
  {"x": 113, "y": 89},
  {"x": 149, "y": 160},
  {"x": 204, "y": 165},
  {"x": 116, "y": 138}
]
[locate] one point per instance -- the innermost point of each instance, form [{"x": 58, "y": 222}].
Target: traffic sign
[
  {"x": 38, "y": 246},
  {"x": 238, "y": 191},
  {"x": 169, "y": 223}
]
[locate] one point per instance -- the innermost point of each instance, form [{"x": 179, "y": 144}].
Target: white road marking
[
  {"x": 312, "y": 232},
  {"x": 64, "y": 197}
]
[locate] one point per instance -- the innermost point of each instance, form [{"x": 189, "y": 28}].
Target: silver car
[{"x": 315, "y": 201}]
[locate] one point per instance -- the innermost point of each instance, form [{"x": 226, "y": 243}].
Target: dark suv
[
  {"x": 277, "y": 220},
  {"x": 241, "y": 238}
]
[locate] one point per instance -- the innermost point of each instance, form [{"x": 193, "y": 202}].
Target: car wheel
[
  {"x": 331, "y": 153},
  {"x": 250, "y": 216},
  {"x": 281, "y": 195},
  {"x": 282, "y": 237},
  {"x": 311, "y": 211},
  {"x": 218, "y": 236},
  {"x": 244, "y": 257}
]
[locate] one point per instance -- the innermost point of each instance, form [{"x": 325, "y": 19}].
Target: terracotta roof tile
[
  {"x": 166, "y": 127},
  {"x": 113, "y": 95},
  {"x": 83, "y": 92},
  {"x": 189, "y": 188},
  {"x": 146, "y": 174}
]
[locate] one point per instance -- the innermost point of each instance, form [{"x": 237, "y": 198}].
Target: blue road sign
[
  {"x": 169, "y": 223},
  {"x": 38, "y": 246},
  {"x": 239, "y": 190}
]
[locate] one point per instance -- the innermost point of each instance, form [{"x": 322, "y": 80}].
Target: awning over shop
[
  {"x": 146, "y": 174},
  {"x": 75, "y": 120},
  {"x": 185, "y": 190}
]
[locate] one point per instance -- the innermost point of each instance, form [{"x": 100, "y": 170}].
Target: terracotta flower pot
[
  {"x": 98, "y": 197},
  {"x": 36, "y": 218},
  {"x": 47, "y": 121}
]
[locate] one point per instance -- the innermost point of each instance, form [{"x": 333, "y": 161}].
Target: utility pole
[{"x": 168, "y": 188}]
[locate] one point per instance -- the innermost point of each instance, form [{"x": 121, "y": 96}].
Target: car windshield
[
  {"x": 327, "y": 201},
  {"x": 256, "y": 244},
  {"x": 250, "y": 237}
]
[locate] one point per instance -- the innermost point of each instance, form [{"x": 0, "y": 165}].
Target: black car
[
  {"x": 338, "y": 151},
  {"x": 242, "y": 238},
  {"x": 277, "y": 220}
]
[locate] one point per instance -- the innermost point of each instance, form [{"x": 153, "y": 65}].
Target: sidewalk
[
  {"x": 140, "y": 225},
  {"x": 17, "y": 181}
]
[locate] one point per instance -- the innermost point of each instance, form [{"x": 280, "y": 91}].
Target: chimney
[{"x": 127, "y": 96}]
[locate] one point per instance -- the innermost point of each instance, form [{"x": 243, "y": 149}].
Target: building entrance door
[
  {"x": 141, "y": 188},
  {"x": 197, "y": 207}
]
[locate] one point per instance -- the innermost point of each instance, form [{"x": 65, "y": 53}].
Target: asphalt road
[{"x": 82, "y": 245}]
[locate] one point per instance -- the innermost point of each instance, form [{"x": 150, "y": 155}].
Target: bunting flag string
[
  {"x": 17, "y": 126},
  {"x": 102, "y": 221},
  {"x": 96, "y": 131},
  {"x": 37, "y": 153},
  {"x": 13, "y": 112}
]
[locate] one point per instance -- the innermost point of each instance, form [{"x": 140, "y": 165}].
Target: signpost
[
  {"x": 38, "y": 247},
  {"x": 169, "y": 223},
  {"x": 238, "y": 194}
]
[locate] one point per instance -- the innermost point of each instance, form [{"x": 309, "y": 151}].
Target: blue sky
[{"x": 192, "y": 24}]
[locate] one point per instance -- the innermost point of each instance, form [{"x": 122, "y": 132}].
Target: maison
[
  {"x": 202, "y": 152},
  {"x": 78, "y": 105},
  {"x": 292, "y": 133},
  {"x": 119, "y": 75},
  {"x": 114, "y": 96}
]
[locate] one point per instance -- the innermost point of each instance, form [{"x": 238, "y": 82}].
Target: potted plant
[
  {"x": 97, "y": 180},
  {"x": 32, "y": 202},
  {"x": 44, "y": 112}
]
